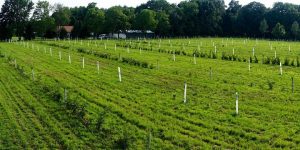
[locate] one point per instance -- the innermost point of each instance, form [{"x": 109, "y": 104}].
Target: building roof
[
  {"x": 138, "y": 31},
  {"x": 69, "y": 29}
]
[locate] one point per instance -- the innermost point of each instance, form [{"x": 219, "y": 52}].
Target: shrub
[
  {"x": 255, "y": 59},
  {"x": 250, "y": 59},
  {"x": 144, "y": 64},
  {"x": 267, "y": 60},
  {"x": 275, "y": 61},
  {"x": 271, "y": 85},
  {"x": 286, "y": 61},
  {"x": 234, "y": 57},
  {"x": 292, "y": 62},
  {"x": 214, "y": 56}
]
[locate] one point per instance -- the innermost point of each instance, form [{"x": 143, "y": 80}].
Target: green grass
[{"x": 101, "y": 112}]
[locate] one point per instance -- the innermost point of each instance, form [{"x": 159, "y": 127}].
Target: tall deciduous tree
[
  {"x": 116, "y": 20},
  {"x": 14, "y": 15},
  {"x": 210, "y": 16},
  {"x": 163, "y": 26},
  {"x": 229, "y": 19},
  {"x": 42, "y": 22},
  {"x": 249, "y": 18},
  {"x": 94, "y": 20},
  {"x": 278, "y": 31},
  {"x": 263, "y": 28},
  {"x": 145, "y": 20},
  {"x": 295, "y": 29},
  {"x": 62, "y": 16}
]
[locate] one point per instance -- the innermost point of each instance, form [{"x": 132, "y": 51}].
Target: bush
[
  {"x": 286, "y": 62},
  {"x": 275, "y": 61},
  {"x": 214, "y": 56},
  {"x": 271, "y": 85},
  {"x": 224, "y": 56},
  {"x": 255, "y": 59},
  {"x": 267, "y": 60},
  {"x": 250, "y": 59},
  {"x": 1, "y": 55},
  {"x": 292, "y": 62}
]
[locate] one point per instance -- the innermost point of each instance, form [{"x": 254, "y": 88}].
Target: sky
[{"x": 134, "y": 3}]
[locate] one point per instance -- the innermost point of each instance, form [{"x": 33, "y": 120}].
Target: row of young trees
[{"x": 188, "y": 18}]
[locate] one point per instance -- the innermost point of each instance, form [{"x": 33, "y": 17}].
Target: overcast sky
[{"x": 109, "y": 3}]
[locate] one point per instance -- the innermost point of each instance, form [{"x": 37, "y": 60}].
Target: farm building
[
  {"x": 132, "y": 34},
  {"x": 68, "y": 29}
]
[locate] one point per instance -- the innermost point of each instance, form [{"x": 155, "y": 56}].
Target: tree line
[{"x": 22, "y": 18}]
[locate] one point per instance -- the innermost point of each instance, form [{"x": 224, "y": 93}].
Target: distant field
[{"x": 50, "y": 99}]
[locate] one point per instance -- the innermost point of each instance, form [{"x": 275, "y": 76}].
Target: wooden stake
[
  {"x": 59, "y": 55},
  {"x": 174, "y": 56},
  {"x": 249, "y": 65},
  {"x": 184, "y": 94},
  {"x": 98, "y": 67},
  {"x": 32, "y": 71},
  {"x": 210, "y": 72},
  {"x": 237, "y": 103},
  {"x": 215, "y": 49},
  {"x": 149, "y": 142},
  {"x": 16, "y": 63},
  {"x": 280, "y": 68},
  {"x": 195, "y": 59},
  {"x": 292, "y": 84},
  {"x": 120, "y": 76},
  {"x": 83, "y": 62},
  {"x": 70, "y": 59},
  {"x": 65, "y": 95}
]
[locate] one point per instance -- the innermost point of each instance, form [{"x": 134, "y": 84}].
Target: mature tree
[
  {"x": 42, "y": 10},
  {"x": 249, "y": 18},
  {"x": 229, "y": 19},
  {"x": 155, "y": 5},
  {"x": 42, "y": 20},
  {"x": 295, "y": 29},
  {"x": 263, "y": 28},
  {"x": 189, "y": 22},
  {"x": 278, "y": 31},
  {"x": 29, "y": 32},
  {"x": 145, "y": 20},
  {"x": 130, "y": 13},
  {"x": 210, "y": 16},
  {"x": 6, "y": 31},
  {"x": 163, "y": 26},
  {"x": 78, "y": 15},
  {"x": 116, "y": 20},
  {"x": 285, "y": 13},
  {"x": 177, "y": 25},
  {"x": 14, "y": 14},
  {"x": 94, "y": 20},
  {"x": 62, "y": 16}
]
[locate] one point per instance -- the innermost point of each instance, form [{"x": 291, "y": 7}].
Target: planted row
[{"x": 129, "y": 61}]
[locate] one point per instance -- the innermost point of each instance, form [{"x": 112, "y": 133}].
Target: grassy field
[{"x": 50, "y": 99}]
